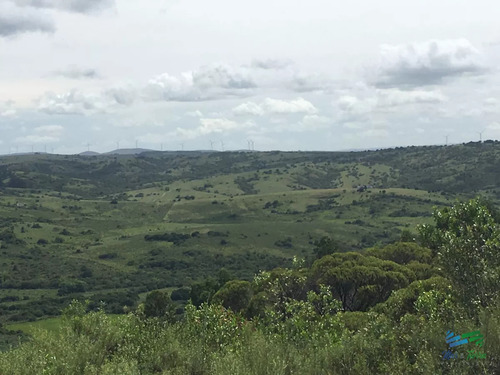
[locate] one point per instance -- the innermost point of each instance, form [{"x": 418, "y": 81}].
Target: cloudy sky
[{"x": 288, "y": 75}]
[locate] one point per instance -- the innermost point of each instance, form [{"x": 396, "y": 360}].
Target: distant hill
[
  {"x": 467, "y": 168},
  {"x": 89, "y": 153},
  {"x": 128, "y": 151}
]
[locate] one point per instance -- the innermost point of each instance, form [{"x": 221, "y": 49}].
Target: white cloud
[
  {"x": 275, "y": 106},
  {"x": 427, "y": 63},
  {"x": 76, "y": 102},
  {"x": 221, "y": 81},
  {"x": 352, "y": 108},
  {"x": 213, "y": 125},
  {"x": 221, "y": 76},
  {"x": 216, "y": 125},
  {"x": 207, "y": 83},
  {"x": 395, "y": 97},
  {"x": 249, "y": 108},
  {"x": 169, "y": 88},
  {"x": 299, "y": 105},
  {"x": 73, "y": 102}
]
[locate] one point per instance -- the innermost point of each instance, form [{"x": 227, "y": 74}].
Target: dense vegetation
[
  {"x": 293, "y": 263},
  {"x": 385, "y": 310}
]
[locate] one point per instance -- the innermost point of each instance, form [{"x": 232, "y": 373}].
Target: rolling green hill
[{"x": 110, "y": 227}]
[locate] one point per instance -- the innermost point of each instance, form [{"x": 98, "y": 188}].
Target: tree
[
  {"x": 466, "y": 240},
  {"x": 359, "y": 281},
  {"x": 159, "y": 305},
  {"x": 203, "y": 291},
  {"x": 234, "y": 295},
  {"x": 325, "y": 246},
  {"x": 402, "y": 253}
]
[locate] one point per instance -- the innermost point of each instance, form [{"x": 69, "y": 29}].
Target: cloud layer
[
  {"x": 427, "y": 63},
  {"x": 15, "y": 20},
  {"x": 77, "y": 6},
  {"x": 275, "y": 106},
  {"x": 74, "y": 72},
  {"x": 28, "y": 16},
  {"x": 207, "y": 83}
]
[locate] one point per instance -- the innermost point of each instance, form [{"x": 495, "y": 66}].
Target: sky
[{"x": 285, "y": 75}]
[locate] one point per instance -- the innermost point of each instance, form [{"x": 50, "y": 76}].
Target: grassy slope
[{"x": 309, "y": 195}]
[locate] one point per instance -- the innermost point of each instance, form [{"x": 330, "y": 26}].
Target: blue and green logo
[{"x": 453, "y": 340}]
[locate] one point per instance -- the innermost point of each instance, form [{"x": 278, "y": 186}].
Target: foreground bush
[{"x": 213, "y": 340}]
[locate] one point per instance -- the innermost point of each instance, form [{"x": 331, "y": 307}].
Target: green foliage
[
  {"x": 181, "y": 294},
  {"x": 418, "y": 296},
  {"x": 325, "y": 246},
  {"x": 234, "y": 295},
  {"x": 215, "y": 326},
  {"x": 466, "y": 239},
  {"x": 402, "y": 253},
  {"x": 159, "y": 305},
  {"x": 359, "y": 281},
  {"x": 298, "y": 320},
  {"x": 176, "y": 238},
  {"x": 204, "y": 291},
  {"x": 70, "y": 287}
]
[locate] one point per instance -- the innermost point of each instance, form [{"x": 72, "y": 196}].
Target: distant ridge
[
  {"x": 128, "y": 151},
  {"x": 88, "y": 153}
]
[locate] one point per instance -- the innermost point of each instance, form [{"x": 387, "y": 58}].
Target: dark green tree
[
  {"x": 159, "y": 305},
  {"x": 359, "y": 281},
  {"x": 203, "y": 291},
  {"x": 234, "y": 295},
  {"x": 325, "y": 246},
  {"x": 402, "y": 253}
]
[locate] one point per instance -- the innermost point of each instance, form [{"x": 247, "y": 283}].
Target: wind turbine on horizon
[{"x": 481, "y": 135}]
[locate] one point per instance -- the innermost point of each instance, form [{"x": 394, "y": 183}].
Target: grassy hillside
[{"x": 109, "y": 228}]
